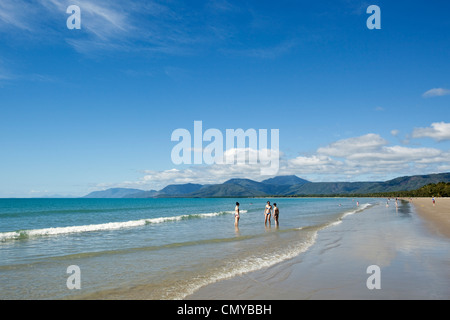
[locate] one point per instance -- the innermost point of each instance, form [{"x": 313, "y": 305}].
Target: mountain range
[{"x": 278, "y": 186}]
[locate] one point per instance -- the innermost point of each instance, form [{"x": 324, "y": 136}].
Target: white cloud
[
  {"x": 105, "y": 25},
  {"x": 207, "y": 174},
  {"x": 15, "y": 14},
  {"x": 436, "y": 92},
  {"x": 202, "y": 174},
  {"x": 150, "y": 27},
  {"x": 353, "y": 159},
  {"x": 347, "y": 147},
  {"x": 395, "y": 132},
  {"x": 312, "y": 165},
  {"x": 439, "y": 131},
  {"x": 395, "y": 155},
  {"x": 367, "y": 156}
]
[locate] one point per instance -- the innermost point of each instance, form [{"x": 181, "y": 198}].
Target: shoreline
[
  {"x": 413, "y": 263},
  {"x": 437, "y": 217}
]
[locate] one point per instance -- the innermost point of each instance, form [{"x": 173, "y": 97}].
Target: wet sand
[{"x": 413, "y": 263}]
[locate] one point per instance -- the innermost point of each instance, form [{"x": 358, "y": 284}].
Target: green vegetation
[{"x": 441, "y": 189}]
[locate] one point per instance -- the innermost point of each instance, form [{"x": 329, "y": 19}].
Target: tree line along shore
[{"x": 440, "y": 190}]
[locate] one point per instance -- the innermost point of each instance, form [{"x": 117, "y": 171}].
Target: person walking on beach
[
  {"x": 236, "y": 215},
  {"x": 267, "y": 212},
  {"x": 434, "y": 201},
  {"x": 276, "y": 212}
]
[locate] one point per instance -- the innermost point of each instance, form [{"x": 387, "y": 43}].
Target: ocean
[{"x": 151, "y": 248}]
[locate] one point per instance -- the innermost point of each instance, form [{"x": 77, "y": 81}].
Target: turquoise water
[{"x": 150, "y": 248}]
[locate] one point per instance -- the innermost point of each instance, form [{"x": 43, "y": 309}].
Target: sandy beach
[
  {"x": 413, "y": 262},
  {"x": 436, "y": 216}
]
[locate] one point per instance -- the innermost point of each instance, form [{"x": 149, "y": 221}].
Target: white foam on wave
[
  {"x": 359, "y": 209},
  {"x": 334, "y": 223},
  {"x": 243, "y": 266},
  {"x": 254, "y": 263},
  {"x": 339, "y": 221},
  {"x": 110, "y": 226}
]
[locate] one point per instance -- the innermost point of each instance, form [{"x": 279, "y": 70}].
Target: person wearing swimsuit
[
  {"x": 236, "y": 214},
  {"x": 267, "y": 212},
  {"x": 276, "y": 212}
]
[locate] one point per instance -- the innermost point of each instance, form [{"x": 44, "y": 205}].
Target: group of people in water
[{"x": 268, "y": 211}]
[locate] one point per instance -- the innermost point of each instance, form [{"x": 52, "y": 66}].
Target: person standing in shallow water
[
  {"x": 276, "y": 212},
  {"x": 236, "y": 215},
  {"x": 267, "y": 212}
]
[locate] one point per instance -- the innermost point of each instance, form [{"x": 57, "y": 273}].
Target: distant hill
[
  {"x": 113, "y": 193},
  {"x": 250, "y": 188},
  {"x": 232, "y": 188},
  {"x": 278, "y": 186},
  {"x": 407, "y": 183},
  {"x": 319, "y": 188},
  {"x": 176, "y": 189},
  {"x": 286, "y": 180},
  {"x": 415, "y": 182},
  {"x": 142, "y": 194},
  {"x": 226, "y": 190}
]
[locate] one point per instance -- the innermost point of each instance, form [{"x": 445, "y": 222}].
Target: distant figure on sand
[
  {"x": 236, "y": 214},
  {"x": 434, "y": 201},
  {"x": 276, "y": 212},
  {"x": 267, "y": 212}
]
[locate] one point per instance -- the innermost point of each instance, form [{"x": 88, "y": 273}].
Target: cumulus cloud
[
  {"x": 352, "y": 159},
  {"x": 242, "y": 167},
  {"x": 368, "y": 155},
  {"x": 438, "y": 131},
  {"x": 312, "y": 165},
  {"x": 202, "y": 174},
  {"x": 348, "y": 147},
  {"x": 436, "y": 92}
]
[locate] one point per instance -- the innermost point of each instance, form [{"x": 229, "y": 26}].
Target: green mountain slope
[{"x": 278, "y": 186}]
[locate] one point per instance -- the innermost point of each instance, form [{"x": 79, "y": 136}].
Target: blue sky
[{"x": 89, "y": 109}]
